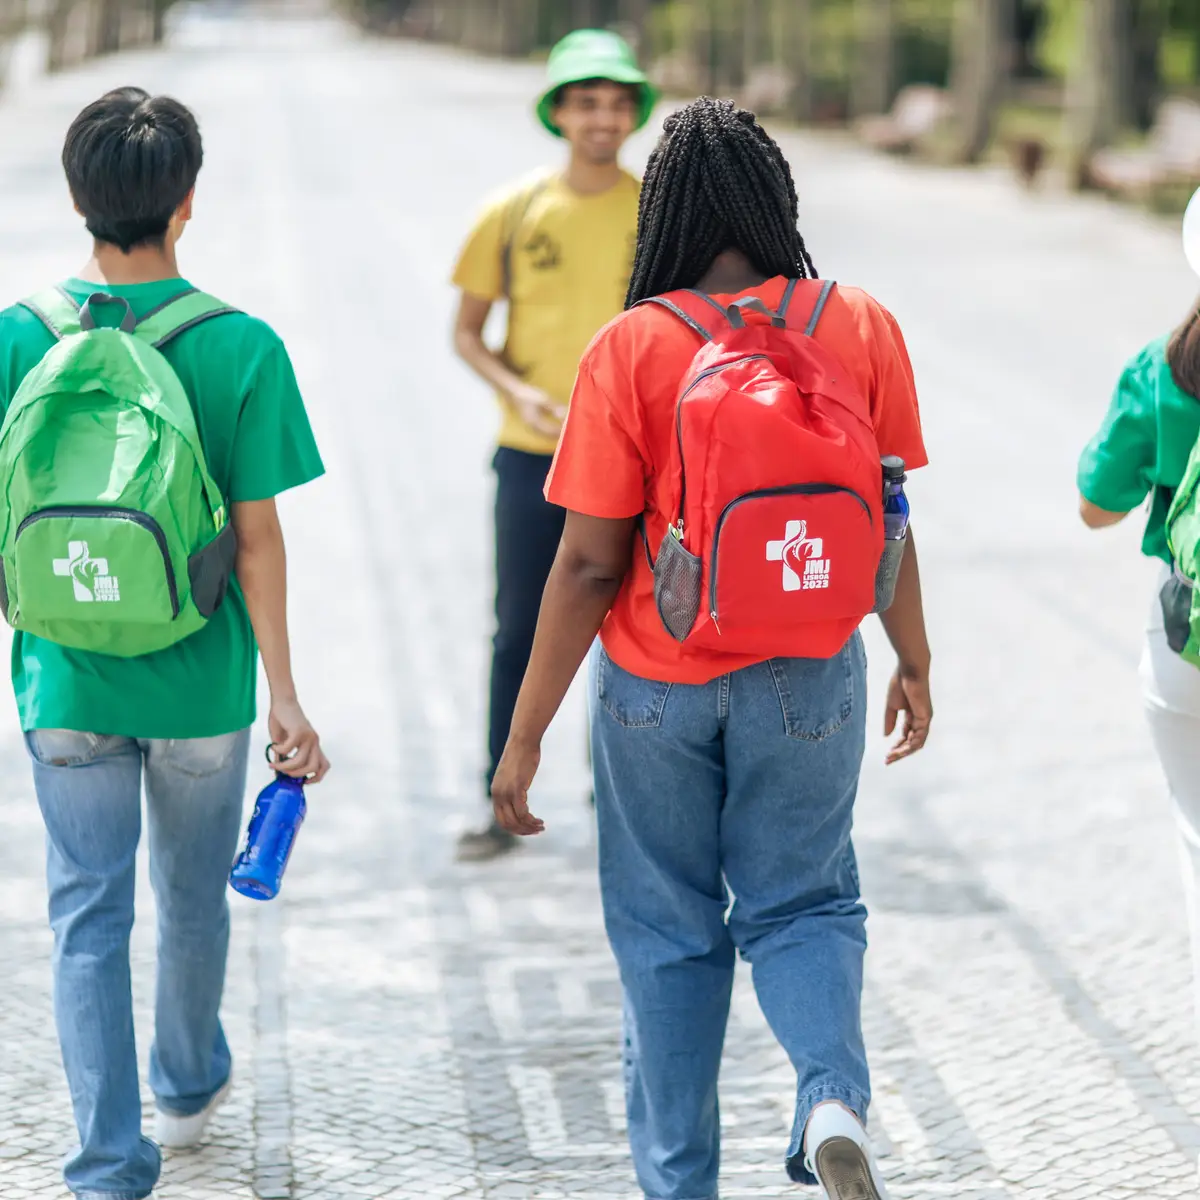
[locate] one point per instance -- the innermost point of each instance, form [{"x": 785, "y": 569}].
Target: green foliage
[{"x": 923, "y": 37}]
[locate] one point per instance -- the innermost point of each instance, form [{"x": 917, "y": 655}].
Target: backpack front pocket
[
  {"x": 98, "y": 563},
  {"x": 786, "y": 557}
]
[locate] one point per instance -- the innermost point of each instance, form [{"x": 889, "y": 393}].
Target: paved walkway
[{"x": 406, "y": 1028}]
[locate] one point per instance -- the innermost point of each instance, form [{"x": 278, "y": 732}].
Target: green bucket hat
[{"x": 593, "y": 54}]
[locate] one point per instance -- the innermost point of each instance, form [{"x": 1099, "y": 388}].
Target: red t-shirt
[{"x": 615, "y": 448}]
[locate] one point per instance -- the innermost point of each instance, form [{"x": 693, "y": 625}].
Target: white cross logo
[
  {"x": 83, "y": 570},
  {"x": 795, "y": 545}
]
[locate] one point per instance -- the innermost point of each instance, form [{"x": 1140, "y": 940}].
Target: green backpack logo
[
  {"x": 1181, "y": 593},
  {"x": 113, "y": 536}
]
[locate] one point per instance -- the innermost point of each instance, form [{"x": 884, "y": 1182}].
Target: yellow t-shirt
[{"x": 571, "y": 260}]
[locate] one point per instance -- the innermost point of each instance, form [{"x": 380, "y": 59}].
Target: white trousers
[{"x": 1171, "y": 690}]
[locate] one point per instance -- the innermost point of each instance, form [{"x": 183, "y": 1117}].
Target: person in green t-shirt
[
  {"x": 1141, "y": 450},
  {"x": 97, "y": 727}
]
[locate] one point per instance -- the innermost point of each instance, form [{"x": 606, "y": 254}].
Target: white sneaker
[
  {"x": 838, "y": 1153},
  {"x": 181, "y": 1133}
]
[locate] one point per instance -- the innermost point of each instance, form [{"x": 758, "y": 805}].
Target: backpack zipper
[
  {"x": 793, "y": 489},
  {"x": 677, "y": 528},
  {"x": 117, "y": 514}
]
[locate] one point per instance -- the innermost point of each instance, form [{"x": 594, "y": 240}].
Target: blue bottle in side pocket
[
  {"x": 278, "y": 814},
  {"x": 895, "y": 502},
  {"x": 895, "y": 531}
]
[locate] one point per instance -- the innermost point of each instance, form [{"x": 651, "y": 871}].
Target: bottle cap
[
  {"x": 893, "y": 466},
  {"x": 276, "y": 762}
]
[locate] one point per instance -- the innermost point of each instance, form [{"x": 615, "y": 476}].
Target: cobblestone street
[{"x": 405, "y": 1027}]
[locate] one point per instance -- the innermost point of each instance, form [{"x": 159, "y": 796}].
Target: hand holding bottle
[{"x": 296, "y": 745}]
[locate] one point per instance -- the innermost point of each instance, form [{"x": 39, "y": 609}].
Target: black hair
[
  {"x": 635, "y": 90},
  {"x": 131, "y": 159},
  {"x": 716, "y": 181}
]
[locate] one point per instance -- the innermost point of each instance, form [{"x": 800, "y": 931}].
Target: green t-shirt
[
  {"x": 1143, "y": 446},
  {"x": 258, "y": 442}
]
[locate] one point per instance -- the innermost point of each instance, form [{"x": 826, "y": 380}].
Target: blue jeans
[
  {"x": 89, "y": 790},
  {"x": 740, "y": 789}
]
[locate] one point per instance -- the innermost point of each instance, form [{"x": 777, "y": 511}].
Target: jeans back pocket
[
  {"x": 630, "y": 700},
  {"x": 819, "y": 695}
]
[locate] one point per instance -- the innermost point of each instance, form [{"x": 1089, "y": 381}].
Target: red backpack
[{"x": 777, "y": 486}]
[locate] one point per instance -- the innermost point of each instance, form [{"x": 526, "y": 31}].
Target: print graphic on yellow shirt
[{"x": 571, "y": 260}]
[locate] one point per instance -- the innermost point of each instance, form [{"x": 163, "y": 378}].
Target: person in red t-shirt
[{"x": 718, "y": 777}]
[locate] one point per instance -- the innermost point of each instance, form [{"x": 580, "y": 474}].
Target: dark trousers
[{"x": 528, "y": 531}]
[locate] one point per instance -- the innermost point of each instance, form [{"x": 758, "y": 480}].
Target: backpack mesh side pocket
[
  {"x": 677, "y": 587},
  {"x": 888, "y": 573}
]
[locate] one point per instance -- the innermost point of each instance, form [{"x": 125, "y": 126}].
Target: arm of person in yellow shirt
[{"x": 538, "y": 410}]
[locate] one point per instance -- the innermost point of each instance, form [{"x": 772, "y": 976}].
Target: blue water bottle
[
  {"x": 895, "y": 502},
  {"x": 278, "y": 814},
  {"x": 895, "y": 531}
]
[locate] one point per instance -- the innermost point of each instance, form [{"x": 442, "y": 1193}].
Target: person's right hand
[
  {"x": 538, "y": 410},
  {"x": 510, "y": 789},
  {"x": 295, "y": 744},
  {"x": 908, "y": 693}
]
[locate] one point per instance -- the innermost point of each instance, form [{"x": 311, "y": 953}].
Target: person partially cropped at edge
[
  {"x": 1141, "y": 450},
  {"x": 714, "y": 771},
  {"x": 178, "y": 720},
  {"x": 558, "y": 246}
]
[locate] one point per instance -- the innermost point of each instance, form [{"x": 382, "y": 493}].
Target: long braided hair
[{"x": 716, "y": 181}]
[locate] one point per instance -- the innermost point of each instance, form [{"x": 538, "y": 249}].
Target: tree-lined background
[
  {"x": 1104, "y": 91},
  {"x": 1052, "y": 79},
  {"x": 77, "y": 30}
]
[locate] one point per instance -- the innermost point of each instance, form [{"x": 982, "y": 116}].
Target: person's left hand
[
  {"x": 908, "y": 693},
  {"x": 510, "y": 789}
]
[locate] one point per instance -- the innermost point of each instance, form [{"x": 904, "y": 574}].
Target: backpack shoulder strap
[
  {"x": 693, "y": 302},
  {"x": 827, "y": 287},
  {"x": 690, "y": 308},
  {"x": 517, "y": 211},
  {"x": 161, "y": 326},
  {"x": 177, "y": 315},
  {"x": 57, "y": 310}
]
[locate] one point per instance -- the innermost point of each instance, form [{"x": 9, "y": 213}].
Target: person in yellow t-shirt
[{"x": 558, "y": 247}]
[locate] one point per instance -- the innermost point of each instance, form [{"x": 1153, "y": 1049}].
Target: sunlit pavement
[{"x": 407, "y": 1027}]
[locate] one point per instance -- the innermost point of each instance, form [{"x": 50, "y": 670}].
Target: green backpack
[
  {"x": 113, "y": 536},
  {"x": 1181, "y": 593}
]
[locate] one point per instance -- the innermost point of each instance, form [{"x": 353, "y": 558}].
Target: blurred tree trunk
[
  {"x": 792, "y": 33},
  {"x": 562, "y": 18},
  {"x": 1098, "y": 84},
  {"x": 586, "y": 14},
  {"x": 982, "y": 59},
  {"x": 634, "y": 15},
  {"x": 729, "y": 45},
  {"x": 451, "y": 21},
  {"x": 875, "y": 58},
  {"x": 1145, "y": 79},
  {"x": 159, "y": 28},
  {"x": 753, "y": 37},
  {"x": 58, "y": 28},
  {"x": 480, "y": 31},
  {"x": 14, "y": 16},
  {"x": 518, "y": 22},
  {"x": 107, "y": 28},
  {"x": 704, "y": 37}
]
